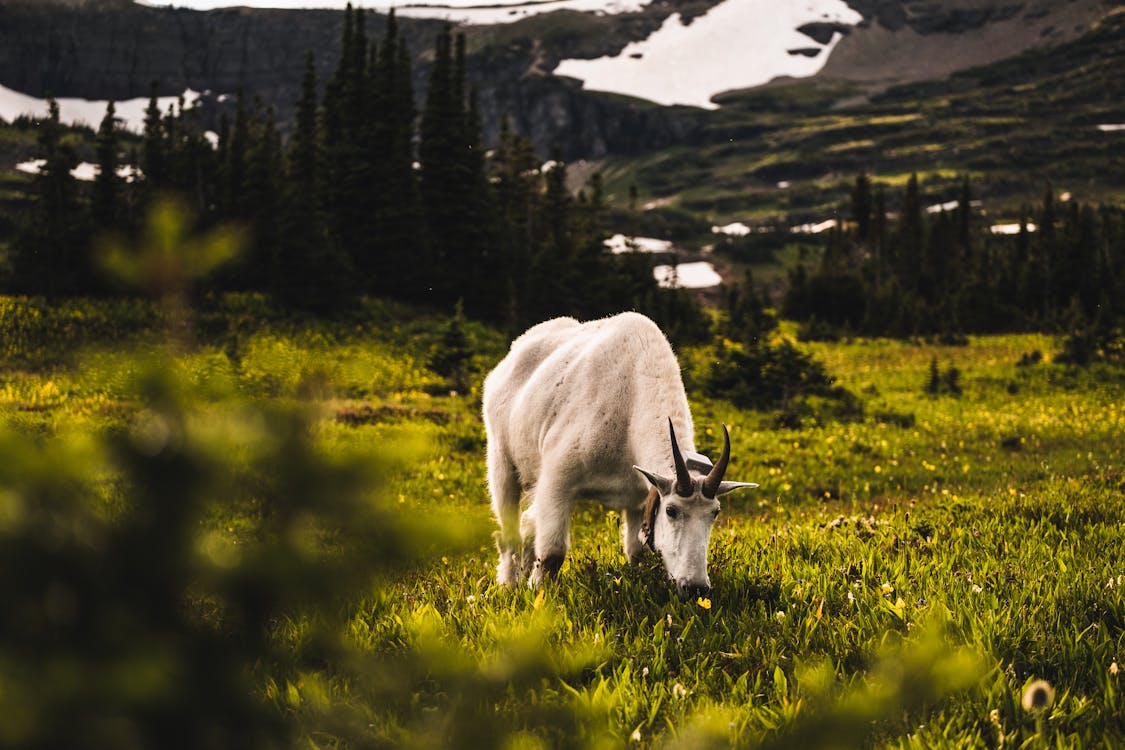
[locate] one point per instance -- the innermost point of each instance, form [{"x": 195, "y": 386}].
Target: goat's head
[{"x": 679, "y": 515}]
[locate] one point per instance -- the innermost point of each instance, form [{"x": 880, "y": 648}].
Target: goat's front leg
[{"x": 551, "y": 509}]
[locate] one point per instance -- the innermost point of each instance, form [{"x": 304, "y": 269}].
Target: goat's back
[{"x": 591, "y": 396}]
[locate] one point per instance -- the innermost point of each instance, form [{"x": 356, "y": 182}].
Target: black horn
[
  {"x": 715, "y": 478},
  {"x": 684, "y": 486}
]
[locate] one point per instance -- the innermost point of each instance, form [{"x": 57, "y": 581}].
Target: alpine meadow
[{"x": 244, "y": 495}]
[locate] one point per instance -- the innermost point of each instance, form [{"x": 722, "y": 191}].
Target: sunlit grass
[{"x": 896, "y": 581}]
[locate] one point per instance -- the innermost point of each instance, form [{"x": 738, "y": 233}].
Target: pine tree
[
  {"x": 403, "y": 250},
  {"x": 861, "y": 209},
  {"x": 52, "y": 250},
  {"x": 443, "y": 182},
  {"x": 910, "y": 236},
  {"x": 263, "y": 206},
  {"x": 309, "y": 271},
  {"x": 880, "y": 251},
  {"x": 1047, "y": 251},
  {"x": 154, "y": 159},
  {"x": 234, "y": 190},
  {"x": 105, "y": 209}
]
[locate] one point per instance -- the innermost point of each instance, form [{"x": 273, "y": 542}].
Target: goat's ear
[
  {"x": 725, "y": 487},
  {"x": 648, "y": 525},
  {"x": 661, "y": 483}
]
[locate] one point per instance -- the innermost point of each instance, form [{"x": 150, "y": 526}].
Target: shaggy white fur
[{"x": 569, "y": 412}]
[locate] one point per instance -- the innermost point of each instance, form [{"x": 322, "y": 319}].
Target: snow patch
[
  {"x": 85, "y": 171},
  {"x": 737, "y": 229},
  {"x": 817, "y": 228},
  {"x": 1010, "y": 228},
  {"x": 698, "y": 275},
  {"x": 937, "y": 208},
  {"x": 130, "y": 113},
  {"x": 457, "y": 11},
  {"x": 619, "y": 243},
  {"x": 1112, "y": 128},
  {"x": 737, "y": 44}
]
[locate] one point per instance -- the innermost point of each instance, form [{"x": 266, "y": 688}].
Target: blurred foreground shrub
[
  {"x": 149, "y": 571},
  {"x": 145, "y": 575}
]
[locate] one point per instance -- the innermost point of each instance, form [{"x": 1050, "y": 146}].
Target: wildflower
[
  {"x": 636, "y": 735},
  {"x": 1038, "y": 696},
  {"x": 779, "y": 615},
  {"x": 887, "y": 588},
  {"x": 977, "y": 589},
  {"x": 1113, "y": 668},
  {"x": 705, "y": 603},
  {"x": 679, "y": 690}
]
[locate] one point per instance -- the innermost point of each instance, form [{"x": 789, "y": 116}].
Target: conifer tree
[
  {"x": 1046, "y": 251},
  {"x": 879, "y": 237},
  {"x": 263, "y": 203},
  {"x": 153, "y": 165},
  {"x": 910, "y": 236},
  {"x": 309, "y": 271},
  {"x": 443, "y": 177},
  {"x": 105, "y": 209},
  {"x": 861, "y": 209},
  {"x": 52, "y": 250},
  {"x": 403, "y": 252},
  {"x": 234, "y": 190}
]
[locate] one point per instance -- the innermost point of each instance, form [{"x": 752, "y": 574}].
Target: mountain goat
[{"x": 591, "y": 411}]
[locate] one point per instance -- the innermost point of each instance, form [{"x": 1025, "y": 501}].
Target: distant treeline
[
  {"x": 366, "y": 196},
  {"x": 942, "y": 274}
]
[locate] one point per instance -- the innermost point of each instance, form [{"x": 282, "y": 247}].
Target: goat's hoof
[{"x": 545, "y": 568}]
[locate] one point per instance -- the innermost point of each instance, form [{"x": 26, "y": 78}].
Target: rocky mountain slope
[{"x": 114, "y": 49}]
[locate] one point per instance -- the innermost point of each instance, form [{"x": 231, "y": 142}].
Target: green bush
[{"x": 775, "y": 376}]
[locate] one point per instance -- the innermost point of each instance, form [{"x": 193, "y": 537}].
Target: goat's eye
[
  {"x": 714, "y": 514},
  {"x": 672, "y": 511}
]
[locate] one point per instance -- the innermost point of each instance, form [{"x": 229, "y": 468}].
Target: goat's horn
[
  {"x": 715, "y": 478},
  {"x": 684, "y": 487}
]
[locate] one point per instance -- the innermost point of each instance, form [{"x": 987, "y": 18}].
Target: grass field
[{"x": 898, "y": 580}]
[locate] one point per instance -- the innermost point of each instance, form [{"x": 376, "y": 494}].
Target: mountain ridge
[{"x": 103, "y": 49}]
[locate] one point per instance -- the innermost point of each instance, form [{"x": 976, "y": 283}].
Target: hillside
[
  {"x": 785, "y": 152},
  {"x": 103, "y": 49}
]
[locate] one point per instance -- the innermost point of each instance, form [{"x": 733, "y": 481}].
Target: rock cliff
[{"x": 115, "y": 49}]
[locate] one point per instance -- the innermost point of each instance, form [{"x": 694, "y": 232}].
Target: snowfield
[
  {"x": 737, "y": 44},
  {"x": 477, "y": 12},
  {"x": 619, "y": 243},
  {"x": 130, "y": 113},
  {"x": 698, "y": 275}
]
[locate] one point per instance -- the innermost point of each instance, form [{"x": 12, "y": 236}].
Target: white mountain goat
[{"x": 591, "y": 411}]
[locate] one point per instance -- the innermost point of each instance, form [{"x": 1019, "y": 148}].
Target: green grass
[{"x": 896, "y": 581}]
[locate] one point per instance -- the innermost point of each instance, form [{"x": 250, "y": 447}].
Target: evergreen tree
[
  {"x": 879, "y": 238},
  {"x": 861, "y": 209},
  {"x": 404, "y": 250},
  {"x": 234, "y": 191},
  {"x": 309, "y": 272},
  {"x": 909, "y": 242},
  {"x": 1046, "y": 252},
  {"x": 440, "y": 126},
  {"x": 51, "y": 253},
  {"x": 263, "y": 202},
  {"x": 153, "y": 164},
  {"x": 105, "y": 208}
]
